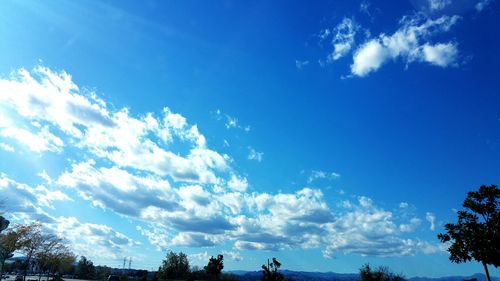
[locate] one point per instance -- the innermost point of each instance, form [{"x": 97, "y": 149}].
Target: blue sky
[{"x": 342, "y": 131}]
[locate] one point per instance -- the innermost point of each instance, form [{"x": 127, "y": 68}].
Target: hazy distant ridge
[{"x": 330, "y": 276}]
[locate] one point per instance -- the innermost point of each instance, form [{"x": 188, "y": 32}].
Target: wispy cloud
[
  {"x": 436, "y": 5},
  {"x": 300, "y": 64},
  {"x": 230, "y": 122},
  {"x": 431, "y": 218},
  {"x": 481, "y": 5},
  {"x": 315, "y": 175},
  {"x": 255, "y": 155}
]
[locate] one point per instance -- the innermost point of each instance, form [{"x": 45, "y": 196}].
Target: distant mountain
[
  {"x": 478, "y": 276},
  {"x": 332, "y": 276}
]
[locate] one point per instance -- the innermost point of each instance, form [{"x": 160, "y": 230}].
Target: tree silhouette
[
  {"x": 271, "y": 273},
  {"x": 215, "y": 266},
  {"x": 382, "y": 273},
  {"x": 476, "y": 235},
  {"x": 174, "y": 266},
  {"x": 85, "y": 269},
  {"x": 8, "y": 243},
  {"x": 4, "y": 223}
]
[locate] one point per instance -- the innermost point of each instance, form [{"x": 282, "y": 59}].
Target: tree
[
  {"x": 271, "y": 273},
  {"x": 8, "y": 243},
  {"x": 53, "y": 256},
  {"x": 102, "y": 272},
  {"x": 85, "y": 269},
  {"x": 30, "y": 241},
  {"x": 382, "y": 273},
  {"x": 4, "y": 223},
  {"x": 215, "y": 266},
  {"x": 174, "y": 266},
  {"x": 477, "y": 232}
]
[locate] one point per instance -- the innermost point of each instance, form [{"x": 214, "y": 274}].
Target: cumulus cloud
[
  {"x": 27, "y": 201},
  {"x": 95, "y": 241},
  {"x": 238, "y": 184},
  {"x": 408, "y": 43},
  {"x": 186, "y": 199},
  {"x": 49, "y": 101}
]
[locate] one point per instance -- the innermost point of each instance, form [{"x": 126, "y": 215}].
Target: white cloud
[
  {"x": 233, "y": 255},
  {"x": 203, "y": 257},
  {"x": 158, "y": 237},
  {"x": 40, "y": 141},
  {"x": 440, "y": 54},
  {"x": 481, "y": 5},
  {"x": 403, "y": 205},
  {"x": 193, "y": 240},
  {"x": 301, "y": 63},
  {"x": 343, "y": 40},
  {"x": 28, "y": 200},
  {"x": 406, "y": 43},
  {"x": 255, "y": 155},
  {"x": 45, "y": 95},
  {"x": 230, "y": 122},
  {"x": 436, "y": 5},
  {"x": 95, "y": 241},
  {"x": 50, "y": 101},
  {"x": 431, "y": 218},
  {"x": 364, "y": 7},
  {"x": 119, "y": 190},
  {"x": 315, "y": 175},
  {"x": 133, "y": 172},
  {"x": 414, "y": 222},
  {"x": 368, "y": 57},
  {"x": 6, "y": 147},
  {"x": 238, "y": 184}
]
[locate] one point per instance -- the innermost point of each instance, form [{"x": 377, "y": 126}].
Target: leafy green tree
[
  {"x": 85, "y": 269},
  {"x": 477, "y": 231},
  {"x": 382, "y": 273},
  {"x": 271, "y": 273},
  {"x": 215, "y": 266},
  {"x": 174, "y": 266}
]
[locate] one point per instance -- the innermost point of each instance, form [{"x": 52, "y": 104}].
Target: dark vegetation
[{"x": 474, "y": 236}]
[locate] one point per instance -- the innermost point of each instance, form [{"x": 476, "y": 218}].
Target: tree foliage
[
  {"x": 271, "y": 273},
  {"x": 8, "y": 243},
  {"x": 85, "y": 269},
  {"x": 4, "y": 223},
  {"x": 477, "y": 231},
  {"x": 174, "y": 266},
  {"x": 382, "y": 273},
  {"x": 215, "y": 266}
]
